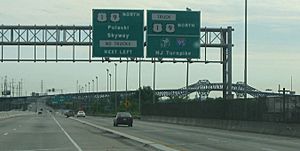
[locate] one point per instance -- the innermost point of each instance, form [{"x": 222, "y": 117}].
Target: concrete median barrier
[
  {"x": 11, "y": 114},
  {"x": 273, "y": 128}
]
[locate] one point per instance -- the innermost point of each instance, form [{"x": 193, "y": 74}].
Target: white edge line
[
  {"x": 69, "y": 137},
  {"x": 268, "y": 149},
  {"x": 140, "y": 140}
]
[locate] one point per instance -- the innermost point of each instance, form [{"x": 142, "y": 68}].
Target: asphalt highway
[
  {"x": 201, "y": 139},
  {"x": 54, "y": 132},
  {"x": 50, "y": 132}
]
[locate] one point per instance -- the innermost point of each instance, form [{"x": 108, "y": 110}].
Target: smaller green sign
[
  {"x": 118, "y": 33},
  {"x": 173, "y": 34}
]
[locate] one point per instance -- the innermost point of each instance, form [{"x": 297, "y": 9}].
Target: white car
[{"x": 80, "y": 114}]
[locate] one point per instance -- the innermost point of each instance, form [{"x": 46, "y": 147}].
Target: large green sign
[
  {"x": 118, "y": 33},
  {"x": 173, "y": 34}
]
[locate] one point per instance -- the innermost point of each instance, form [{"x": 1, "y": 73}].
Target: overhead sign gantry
[
  {"x": 118, "y": 33},
  {"x": 46, "y": 41},
  {"x": 173, "y": 34}
]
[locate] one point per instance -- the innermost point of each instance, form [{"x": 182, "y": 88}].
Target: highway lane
[
  {"x": 57, "y": 133},
  {"x": 198, "y": 138}
]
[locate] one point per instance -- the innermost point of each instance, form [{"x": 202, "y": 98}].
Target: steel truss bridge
[
  {"x": 47, "y": 40},
  {"x": 202, "y": 88}
]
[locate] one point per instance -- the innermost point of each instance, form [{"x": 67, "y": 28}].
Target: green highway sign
[
  {"x": 173, "y": 34},
  {"x": 118, "y": 33}
]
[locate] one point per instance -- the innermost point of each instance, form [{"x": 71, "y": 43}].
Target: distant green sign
[
  {"x": 60, "y": 99},
  {"x": 118, "y": 33},
  {"x": 173, "y": 34}
]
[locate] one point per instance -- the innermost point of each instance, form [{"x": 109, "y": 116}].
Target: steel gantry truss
[{"x": 56, "y": 36}]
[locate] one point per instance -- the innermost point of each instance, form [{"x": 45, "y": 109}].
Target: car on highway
[
  {"x": 69, "y": 113},
  {"x": 124, "y": 118},
  {"x": 80, "y": 114}
]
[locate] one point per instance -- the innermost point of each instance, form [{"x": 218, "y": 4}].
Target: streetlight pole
[
  {"x": 89, "y": 86},
  {"x": 140, "y": 67},
  {"x": 153, "y": 95},
  {"x": 110, "y": 82},
  {"x": 97, "y": 84},
  {"x": 85, "y": 88},
  {"x": 246, "y": 32},
  {"x": 187, "y": 79},
  {"x": 110, "y": 88},
  {"x": 19, "y": 90},
  {"x": 126, "y": 83},
  {"x": 77, "y": 87},
  {"x": 107, "y": 71},
  {"x": 21, "y": 87},
  {"x": 116, "y": 88},
  {"x": 93, "y": 81},
  {"x": 1, "y": 86}
]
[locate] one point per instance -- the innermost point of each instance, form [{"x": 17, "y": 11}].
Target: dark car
[
  {"x": 124, "y": 118},
  {"x": 69, "y": 113}
]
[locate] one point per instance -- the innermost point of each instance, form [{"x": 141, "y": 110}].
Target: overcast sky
[{"x": 274, "y": 27}]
